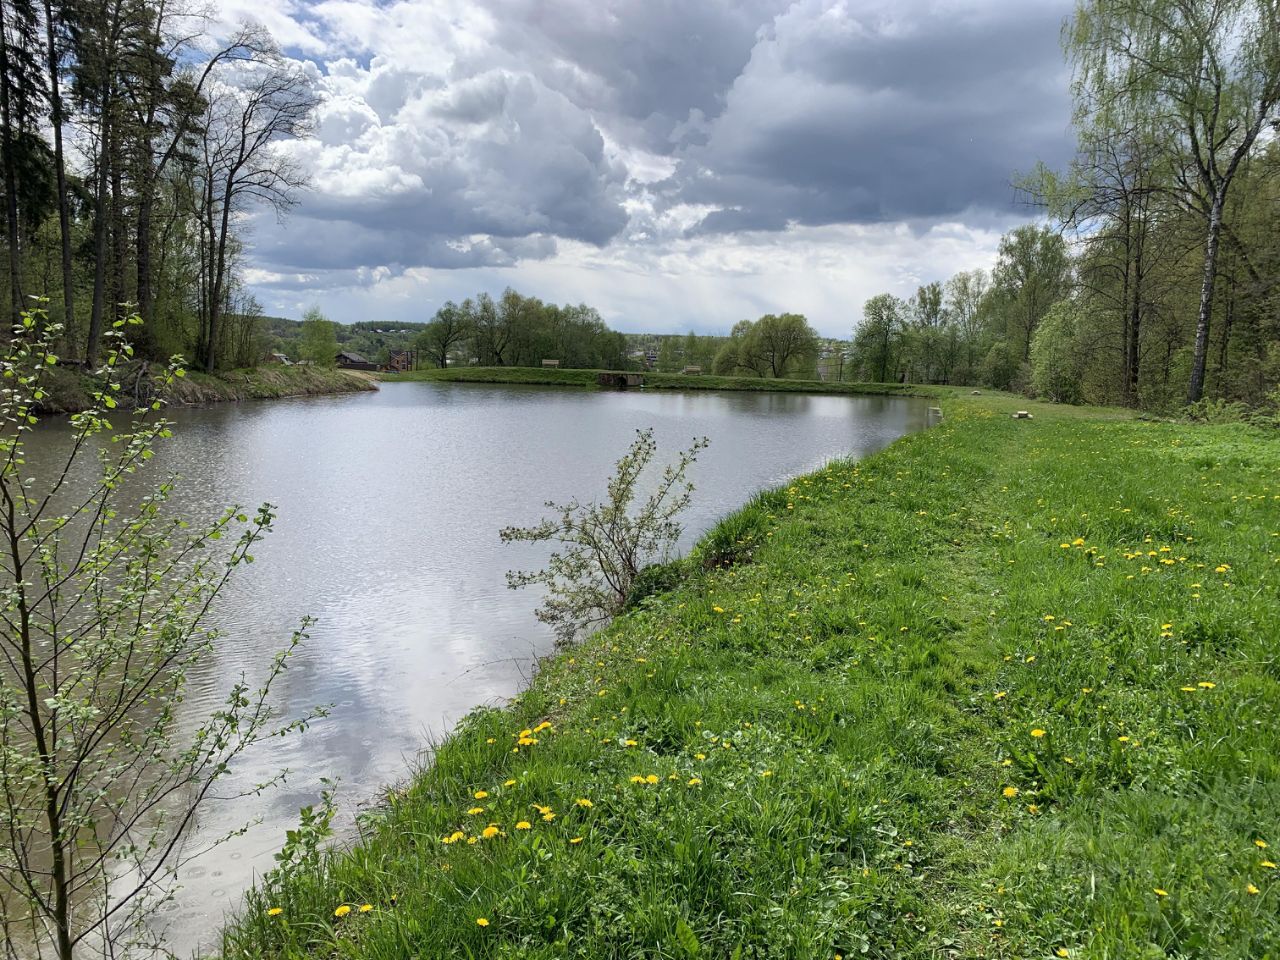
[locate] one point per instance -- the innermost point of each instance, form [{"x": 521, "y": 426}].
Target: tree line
[
  {"x": 1155, "y": 280},
  {"x": 131, "y": 148}
]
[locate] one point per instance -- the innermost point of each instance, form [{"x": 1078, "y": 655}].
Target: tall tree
[
  {"x": 257, "y": 106},
  {"x": 1032, "y": 273},
  {"x": 1208, "y": 71}
]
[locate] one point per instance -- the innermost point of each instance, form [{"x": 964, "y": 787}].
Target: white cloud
[{"x": 674, "y": 165}]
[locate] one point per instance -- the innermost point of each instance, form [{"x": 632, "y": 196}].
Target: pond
[{"x": 389, "y": 507}]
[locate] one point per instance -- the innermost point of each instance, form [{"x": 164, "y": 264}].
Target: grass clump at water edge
[{"x": 1007, "y": 689}]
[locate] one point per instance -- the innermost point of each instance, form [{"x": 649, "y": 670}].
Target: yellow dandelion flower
[
  {"x": 575, "y": 839},
  {"x": 695, "y": 781},
  {"x": 1252, "y": 890},
  {"x": 629, "y": 743},
  {"x": 480, "y": 794},
  {"x": 1160, "y": 893},
  {"x": 366, "y": 907},
  {"x": 490, "y": 832},
  {"x": 584, "y": 802},
  {"x": 475, "y": 810},
  {"x": 341, "y": 911},
  {"x": 718, "y": 609},
  {"x": 1001, "y": 694},
  {"x": 508, "y": 783},
  {"x": 524, "y": 825},
  {"x": 1062, "y": 952},
  {"x": 275, "y": 911},
  {"x": 1187, "y": 689},
  {"x": 548, "y": 816},
  {"x": 1206, "y": 684},
  {"x": 637, "y": 779},
  {"x": 482, "y": 921},
  {"x": 699, "y": 756},
  {"x": 1260, "y": 844},
  {"x": 1037, "y": 732},
  {"x": 1270, "y": 865},
  {"x": 1010, "y": 792},
  {"x": 651, "y": 778}
]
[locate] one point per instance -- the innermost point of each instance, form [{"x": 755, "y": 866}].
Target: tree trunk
[
  {"x": 64, "y": 213},
  {"x": 1195, "y": 390},
  {"x": 10, "y": 177},
  {"x": 99, "y": 238},
  {"x": 146, "y": 204}
]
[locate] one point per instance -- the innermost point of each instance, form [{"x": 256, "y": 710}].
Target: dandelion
[
  {"x": 699, "y": 756},
  {"x": 480, "y": 794},
  {"x": 548, "y": 816},
  {"x": 454, "y": 837},
  {"x": 1010, "y": 792},
  {"x": 584, "y": 803},
  {"x": 637, "y": 779},
  {"x": 1001, "y": 694},
  {"x": 1252, "y": 890},
  {"x": 1188, "y": 689},
  {"x": 482, "y": 921},
  {"x": 508, "y": 783},
  {"x": 695, "y": 781},
  {"x": 718, "y": 609},
  {"x": 575, "y": 839},
  {"x": 342, "y": 911},
  {"x": 1268, "y": 864},
  {"x": 1260, "y": 844},
  {"x": 628, "y": 743},
  {"x": 1062, "y": 952},
  {"x": 366, "y": 907},
  {"x": 1206, "y": 684},
  {"x": 524, "y": 825},
  {"x": 275, "y": 911},
  {"x": 475, "y": 810},
  {"x": 651, "y": 778},
  {"x": 490, "y": 832},
  {"x": 1037, "y": 733},
  {"x": 1160, "y": 893}
]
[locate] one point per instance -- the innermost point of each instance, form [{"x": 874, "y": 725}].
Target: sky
[{"x": 676, "y": 164}]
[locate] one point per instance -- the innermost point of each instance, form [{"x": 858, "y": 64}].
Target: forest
[
  {"x": 1154, "y": 279},
  {"x": 134, "y": 152}
]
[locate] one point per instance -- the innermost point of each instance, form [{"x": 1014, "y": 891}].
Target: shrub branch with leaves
[
  {"x": 104, "y": 603},
  {"x": 602, "y": 547}
]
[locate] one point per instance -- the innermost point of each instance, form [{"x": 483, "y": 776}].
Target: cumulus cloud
[{"x": 612, "y": 142}]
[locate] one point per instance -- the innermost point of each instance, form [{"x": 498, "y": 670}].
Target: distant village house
[{"x": 345, "y": 360}]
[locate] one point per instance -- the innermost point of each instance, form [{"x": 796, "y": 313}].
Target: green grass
[
  {"x": 840, "y": 719},
  {"x": 70, "y": 390},
  {"x": 660, "y": 381}
]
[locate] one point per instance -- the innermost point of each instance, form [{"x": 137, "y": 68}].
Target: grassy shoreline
[
  {"x": 69, "y": 388},
  {"x": 659, "y": 381},
  {"x": 1006, "y": 689}
]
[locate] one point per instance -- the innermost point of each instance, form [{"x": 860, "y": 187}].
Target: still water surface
[{"x": 389, "y": 508}]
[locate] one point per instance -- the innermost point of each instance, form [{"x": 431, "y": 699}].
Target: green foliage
[
  {"x": 601, "y": 548},
  {"x": 319, "y": 342},
  {"x": 105, "y": 597},
  {"x": 832, "y": 730},
  {"x": 1056, "y": 355}
]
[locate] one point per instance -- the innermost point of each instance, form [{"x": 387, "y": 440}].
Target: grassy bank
[
  {"x": 69, "y": 388},
  {"x": 658, "y": 381},
  {"x": 1007, "y": 689}
]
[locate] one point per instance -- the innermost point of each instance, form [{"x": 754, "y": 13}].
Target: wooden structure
[
  {"x": 619, "y": 381},
  {"x": 692, "y": 370},
  {"x": 345, "y": 360},
  {"x": 551, "y": 364},
  {"x": 401, "y": 361}
]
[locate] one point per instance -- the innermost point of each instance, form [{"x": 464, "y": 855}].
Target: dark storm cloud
[
  {"x": 868, "y": 118},
  {"x": 516, "y": 122}
]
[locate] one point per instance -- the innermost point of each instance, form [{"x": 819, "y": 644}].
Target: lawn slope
[{"x": 1007, "y": 689}]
